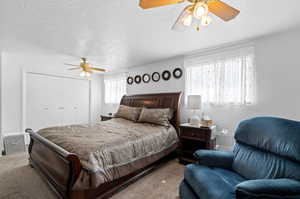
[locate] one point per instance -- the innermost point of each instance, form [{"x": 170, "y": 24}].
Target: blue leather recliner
[{"x": 264, "y": 164}]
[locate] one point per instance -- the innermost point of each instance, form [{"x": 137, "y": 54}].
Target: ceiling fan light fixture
[
  {"x": 87, "y": 74},
  {"x": 82, "y": 74},
  {"x": 196, "y": 14},
  {"x": 200, "y": 10},
  {"x": 187, "y": 20},
  {"x": 86, "y": 68},
  {"x": 206, "y": 20},
  {"x": 83, "y": 60}
]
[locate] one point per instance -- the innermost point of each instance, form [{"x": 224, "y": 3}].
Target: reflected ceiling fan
[
  {"x": 86, "y": 68},
  {"x": 197, "y": 14}
]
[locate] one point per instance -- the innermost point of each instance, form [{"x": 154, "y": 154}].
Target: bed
[{"x": 75, "y": 174}]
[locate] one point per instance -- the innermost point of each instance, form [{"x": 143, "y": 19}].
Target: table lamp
[{"x": 194, "y": 103}]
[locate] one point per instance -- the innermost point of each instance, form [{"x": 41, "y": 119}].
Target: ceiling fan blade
[
  {"x": 157, "y": 3},
  {"x": 185, "y": 19},
  {"x": 74, "y": 68},
  {"x": 222, "y": 10},
  {"x": 71, "y": 64},
  {"x": 98, "y": 69}
]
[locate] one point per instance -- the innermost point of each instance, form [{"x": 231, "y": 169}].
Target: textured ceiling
[{"x": 120, "y": 34}]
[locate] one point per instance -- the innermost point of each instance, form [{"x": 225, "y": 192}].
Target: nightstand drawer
[
  {"x": 193, "y": 138},
  {"x": 194, "y": 133}
]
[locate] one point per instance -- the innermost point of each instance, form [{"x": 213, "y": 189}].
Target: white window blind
[
  {"x": 115, "y": 88},
  {"x": 223, "y": 78}
]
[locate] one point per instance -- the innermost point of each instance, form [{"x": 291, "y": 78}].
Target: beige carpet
[{"x": 19, "y": 181}]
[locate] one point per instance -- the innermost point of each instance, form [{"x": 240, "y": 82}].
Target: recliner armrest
[
  {"x": 268, "y": 188},
  {"x": 222, "y": 159}
]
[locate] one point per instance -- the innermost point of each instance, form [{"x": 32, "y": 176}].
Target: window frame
[
  {"x": 213, "y": 57},
  {"x": 116, "y": 77}
]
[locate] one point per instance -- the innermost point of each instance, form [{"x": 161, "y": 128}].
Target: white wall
[
  {"x": 278, "y": 83},
  {"x": 12, "y": 66},
  {"x": 173, "y": 85},
  {"x": 278, "y": 72}
]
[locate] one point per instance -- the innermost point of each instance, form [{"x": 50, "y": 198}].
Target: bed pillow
[
  {"x": 156, "y": 116},
  {"x": 129, "y": 113}
]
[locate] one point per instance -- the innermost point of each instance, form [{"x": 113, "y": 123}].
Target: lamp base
[{"x": 195, "y": 120}]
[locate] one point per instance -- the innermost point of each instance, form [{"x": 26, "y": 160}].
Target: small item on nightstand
[{"x": 206, "y": 121}]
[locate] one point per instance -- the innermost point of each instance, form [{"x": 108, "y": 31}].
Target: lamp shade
[{"x": 194, "y": 102}]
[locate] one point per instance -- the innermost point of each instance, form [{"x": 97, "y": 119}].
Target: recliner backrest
[{"x": 267, "y": 148}]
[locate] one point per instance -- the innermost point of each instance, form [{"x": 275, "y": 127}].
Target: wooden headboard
[{"x": 156, "y": 100}]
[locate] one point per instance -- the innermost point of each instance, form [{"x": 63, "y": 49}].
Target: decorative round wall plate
[
  {"x": 177, "y": 73},
  {"x": 137, "y": 79},
  {"x": 166, "y": 75},
  {"x": 146, "y": 78},
  {"x": 129, "y": 80},
  {"x": 155, "y": 76}
]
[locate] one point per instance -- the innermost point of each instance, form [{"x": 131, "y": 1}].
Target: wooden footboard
[
  {"x": 58, "y": 166},
  {"x": 60, "y": 169}
]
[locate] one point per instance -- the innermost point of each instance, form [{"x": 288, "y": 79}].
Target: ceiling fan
[
  {"x": 195, "y": 15},
  {"x": 86, "y": 68}
]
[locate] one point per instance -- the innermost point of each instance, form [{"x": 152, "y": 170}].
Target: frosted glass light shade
[{"x": 194, "y": 102}]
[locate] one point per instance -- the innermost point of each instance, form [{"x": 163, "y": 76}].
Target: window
[
  {"x": 115, "y": 88},
  {"x": 224, "y": 78}
]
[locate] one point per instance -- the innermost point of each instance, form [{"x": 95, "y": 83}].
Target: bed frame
[{"x": 60, "y": 168}]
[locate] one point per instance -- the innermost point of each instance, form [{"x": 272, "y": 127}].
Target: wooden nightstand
[
  {"x": 106, "y": 117},
  {"x": 193, "y": 138}
]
